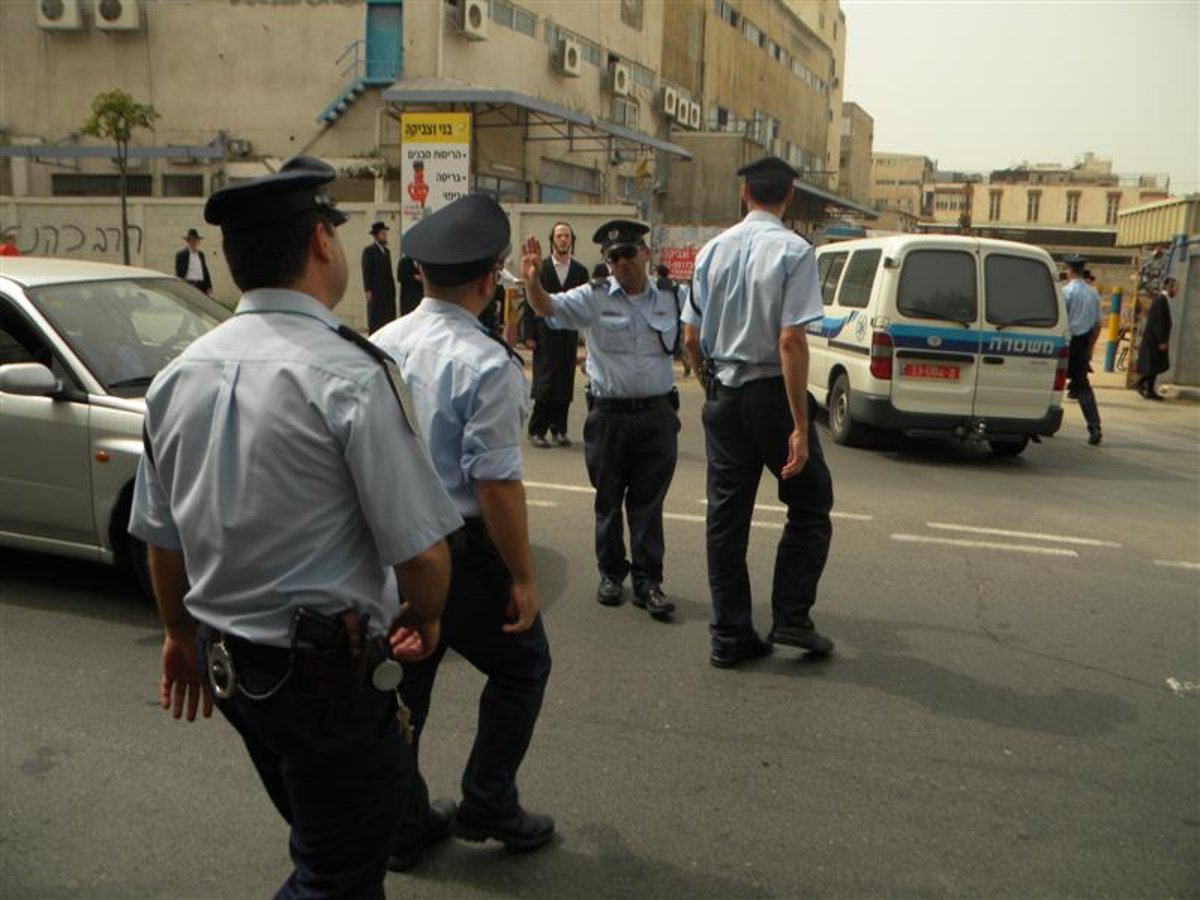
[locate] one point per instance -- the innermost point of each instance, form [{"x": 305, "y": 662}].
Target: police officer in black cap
[
  {"x": 471, "y": 400},
  {"x": 755, "y": 289},
  {"x": 630, "y": 435},
  {"x": 281, "y": 480}
]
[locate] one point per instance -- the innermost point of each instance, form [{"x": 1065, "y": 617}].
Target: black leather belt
[
  {"x": 758, "y": 384},
  {"x": 260, "y": 657},
  {"x": 631, "y": 404}
]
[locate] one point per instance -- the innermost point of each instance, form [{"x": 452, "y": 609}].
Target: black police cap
[
  {"x": 297, "y": 188},
  {"x": 1075, "y": 262},
  {"x": 620, "y": 233},
  {"x": 769, "y": 168},
  {"x": 461, "y": 241}
]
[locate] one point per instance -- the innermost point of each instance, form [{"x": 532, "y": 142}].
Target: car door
[
  {"x": 934, "y": 331},
  {"x": 45, "y": 467},
  {"x": 1021, "y": 336}
]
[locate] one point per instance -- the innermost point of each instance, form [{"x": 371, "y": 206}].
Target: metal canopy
[
  {"x": 557, "y": 123},
  {"x": 810, "y": 192},
  {"x": 73, "y": 151}
]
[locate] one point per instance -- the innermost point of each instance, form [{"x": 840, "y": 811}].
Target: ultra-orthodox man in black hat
[
  {"x": 190, "y": 264},
  {"x": 470, "y": 397},
  {"x": 283, "y": 495},
  {"x": 630, "y": 435},
  {"x": 378, "y": 280},
  {"x": 755, "y": 291}
]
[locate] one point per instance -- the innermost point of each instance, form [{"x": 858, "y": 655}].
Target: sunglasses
[{"x": 622, "y": 253}]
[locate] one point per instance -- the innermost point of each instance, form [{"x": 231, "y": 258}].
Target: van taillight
[
  {"x": 1060, "y": 374},
  {"x": 881, "y": 355}
]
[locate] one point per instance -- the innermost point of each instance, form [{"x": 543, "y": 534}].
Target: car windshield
[{"x": 126, "y": 330}]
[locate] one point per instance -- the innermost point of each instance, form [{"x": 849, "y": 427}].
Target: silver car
[{"x": 80, "y": 343}]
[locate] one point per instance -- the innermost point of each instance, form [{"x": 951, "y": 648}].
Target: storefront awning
[{"x": 551, "y": 121}]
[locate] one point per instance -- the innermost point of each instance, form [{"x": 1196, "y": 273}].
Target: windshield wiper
[
  {"x": 920, "y": 313},
  {"x": 140, "y": 381}
]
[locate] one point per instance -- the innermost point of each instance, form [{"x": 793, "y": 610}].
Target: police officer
[
  {"x": 630, "y": 437},
  {"x": 1083, "y": 320},
  {"x": 469, "y": 392},
  {"x": 755, "y": 289},
  {"x": 281, "y": 478}
]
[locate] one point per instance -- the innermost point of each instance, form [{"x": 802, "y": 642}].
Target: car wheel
[
  {"x": 841, "y": 423},
  {"x": 1008, "y": 448},
  {"x": 130, "y": 551}
]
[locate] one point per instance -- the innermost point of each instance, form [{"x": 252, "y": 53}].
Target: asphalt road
[{"x": 1013, "y": 709}]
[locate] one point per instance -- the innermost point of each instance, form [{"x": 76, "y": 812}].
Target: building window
[
  {"x": 1111, "y": 208},
  {"x": 589, "y": 51},
  {"x": 750, "y": 30},
  {"x": 1072, "y": 207},
  {"x": 183, "y": 185},
  {"x": 627, "y": 188},
  {"x": 70, "y": 185},
  {"x": 502, "y": 190},
  {"x": 625, "y": 112},
  {"x": 726, "y": 13},
  {"x": 631, "y": 13},
  {"x": 1033, "y": 204},
  {"x": 994, "y": 205}
]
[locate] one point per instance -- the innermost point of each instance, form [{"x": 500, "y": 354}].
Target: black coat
[
  {"x": 412, "y": 291},
  {"x": 1150, "y": 359},
  {"x": 377, "y": 280},
  {"x": 555, "y": 353},
  {"x": 181, "y": 267}
]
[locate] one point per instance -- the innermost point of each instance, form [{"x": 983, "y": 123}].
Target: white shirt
[
  {"x": 561, "y": 269},
  {"x": 195, "y": 271}
]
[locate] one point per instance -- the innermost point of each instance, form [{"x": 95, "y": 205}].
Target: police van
[{"x": 938, "y": 335}]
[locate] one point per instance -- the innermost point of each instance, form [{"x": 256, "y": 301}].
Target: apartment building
[{"x": 854, "y": 167}]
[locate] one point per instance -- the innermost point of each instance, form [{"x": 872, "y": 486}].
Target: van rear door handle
[{"x": 994, "y": 360}]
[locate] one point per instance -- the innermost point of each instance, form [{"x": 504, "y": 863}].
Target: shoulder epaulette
[{"x": 599, "y": 282}]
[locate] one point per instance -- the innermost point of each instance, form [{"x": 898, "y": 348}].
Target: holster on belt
[
  {"x": 333, "y": 656},
  {"x": 589, "y": 398},
  {"x": 707, "y": 373}
]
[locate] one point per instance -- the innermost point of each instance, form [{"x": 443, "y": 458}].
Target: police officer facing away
[
  {"x": 755, "y": 288},
  {"x": 1083, "y": 320},
  {"x": 630, "y": 436},
  {"x": 470, "y": 395},
  {"x": 280, "y": 480}
]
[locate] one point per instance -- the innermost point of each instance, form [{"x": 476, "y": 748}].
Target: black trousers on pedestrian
[
  {"x": 338, "y": 771},
  {"x": 630, "y": 459},
  {"x": 746, "y": 429},
  {"x": 549, "y": 415},
  {"x": 517, "y": 667},
  {"x": 1080, "y": 388},
  {"x": 379, "y": 313}
]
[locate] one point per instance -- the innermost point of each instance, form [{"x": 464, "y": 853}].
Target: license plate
[{"x": 930, "y": 370}]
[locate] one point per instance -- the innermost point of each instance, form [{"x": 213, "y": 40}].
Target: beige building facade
[
  {"x": 898, "y": 182},
  {"x": 857, "y": 139}
]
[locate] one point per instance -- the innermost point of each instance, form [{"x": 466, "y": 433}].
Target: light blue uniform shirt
[
  {"x": 1083, "y": 306},
  {"x": 751, "y": 281},
  {"x": 285, "y": 472},
  {"x": 469, "y": 395},
  {"x": 630, "y": 340}
]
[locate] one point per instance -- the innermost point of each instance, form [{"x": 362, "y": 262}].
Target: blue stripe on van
[
  {"x": 830, "y": 326},
  {"x": 967, "y": 340}
]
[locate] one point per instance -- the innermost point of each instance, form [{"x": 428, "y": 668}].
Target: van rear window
[
  {"x": 829, "y": 270},
  {"x": 1020, "y": 291},
  {"x": 938, "y": 284},
  {"x": 860, "y": 278}
]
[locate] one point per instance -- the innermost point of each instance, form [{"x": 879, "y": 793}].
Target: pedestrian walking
[
  {"x": 377, "y": 281},
  {"x": 1083, "y": 321},
  {"x": 755, "y": 290},
  {"x": 282, "y": 477},
  {"x": 630, "y": 436},
  {"x": 469, "y": 393},
  {"x": 554, "y": 350},
  {"x": 190, "y": 264},
  {"x": 1153, "y": 357}
]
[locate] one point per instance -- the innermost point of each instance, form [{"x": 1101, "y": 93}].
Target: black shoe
[
  {"x": 654, "y": 601},
  {"x": 442, "y": 813},
  {"x": 1094, "y": 438},
  {"x": 610, "y": 591},
  {"x": 524, "y": 831},
  {"x": 805, "y": 638},
  {"x": 727, "y": 654},
  {"x": 539, "y": 440},
  {"x": 561, "y": 439},
  {"x": 1150, "y": 395}
]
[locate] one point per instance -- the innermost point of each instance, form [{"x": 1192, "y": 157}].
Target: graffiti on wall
[{"x": 71, "y": 239}]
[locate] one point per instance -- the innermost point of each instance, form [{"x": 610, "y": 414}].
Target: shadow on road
[{"x": 41, "y": 582}]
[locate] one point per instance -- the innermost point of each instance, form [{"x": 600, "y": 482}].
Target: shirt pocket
[{"x": 614, "y": 334}]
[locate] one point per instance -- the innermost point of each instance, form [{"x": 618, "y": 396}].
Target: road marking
[
  {"x": 983, "y": 545},
  {"x": 767, "y": 507},
  {"x": 1178, "y": 564},
  {"x": 529, "y": 502},
  {"x": 687, "y": 517},
  {"x": 1182, "y": 687},
  {"x": 550, "y": 486},
  {"x": 1032, "y": 535}
]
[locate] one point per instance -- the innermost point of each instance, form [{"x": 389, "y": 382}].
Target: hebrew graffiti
[{"x": 70, "y": 239}]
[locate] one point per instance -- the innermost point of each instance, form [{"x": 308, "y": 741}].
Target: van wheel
[
  {"x": 845, "y": 429},
  {"x": 1008, "y": 448}
]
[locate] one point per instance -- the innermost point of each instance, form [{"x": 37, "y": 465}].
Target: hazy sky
[{"x": 978, "y": 85}]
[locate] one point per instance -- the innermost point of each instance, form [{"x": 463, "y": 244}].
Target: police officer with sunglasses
[{"x": 630, "y": 435}]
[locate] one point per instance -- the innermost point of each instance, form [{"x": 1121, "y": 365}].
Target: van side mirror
[
  {"x": 29, "y": 380},
  {"x": 890, "y": 263}
]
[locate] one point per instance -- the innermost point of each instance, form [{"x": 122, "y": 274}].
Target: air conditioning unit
[
  {"x": 59, "y": 15},
  {"x": 618, "y": 79},
  {"x": 474, "y": 22},
  {"x": 682, "y": 107},
  {"x": 119, "y": 15},
  {"x": 568, "y": 60},
  {"x": 669, "y": 102},
  {"x": 238, "y": 148},
  {"x": 694, "y": 116}
]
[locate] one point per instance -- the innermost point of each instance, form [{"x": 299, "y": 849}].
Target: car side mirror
[{"x": 29, "y": 380}]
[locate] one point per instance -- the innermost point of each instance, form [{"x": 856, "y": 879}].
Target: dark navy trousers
[
  {"x": 1080, "y": 387},
  {"x": 746, "y": 429}
]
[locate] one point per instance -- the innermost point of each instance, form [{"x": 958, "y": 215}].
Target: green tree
[{"x": 115, "y": 116}]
